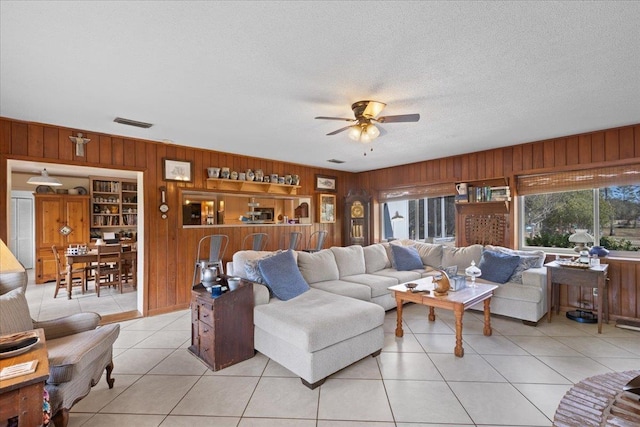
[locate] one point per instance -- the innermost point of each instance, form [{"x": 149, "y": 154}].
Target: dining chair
[
  {"x": 217, "y": 247},
  {"x": 316, "y": 241},
  {"x": 290, "y": 240},
  {"x": 108, "y": 270},
  {"x": 61, "y": 276},
  {"x": 255, "y": 241}
]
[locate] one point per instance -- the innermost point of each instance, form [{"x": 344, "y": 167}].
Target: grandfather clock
[{"x": 357, "y": 216}]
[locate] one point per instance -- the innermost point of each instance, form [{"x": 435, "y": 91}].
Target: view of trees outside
[{"x": 551, "y": 218}]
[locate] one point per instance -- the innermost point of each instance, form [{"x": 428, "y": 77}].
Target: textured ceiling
[{"x": 249, "y": 77}]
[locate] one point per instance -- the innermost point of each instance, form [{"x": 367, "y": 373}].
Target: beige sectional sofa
[{"x": 320, "y": 331}]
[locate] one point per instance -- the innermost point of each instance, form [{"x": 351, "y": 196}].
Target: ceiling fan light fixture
[
  {"x": 372, "y": 131},
  {"x": 355, "y": 132},
  {"x": 44, "y": 179}
]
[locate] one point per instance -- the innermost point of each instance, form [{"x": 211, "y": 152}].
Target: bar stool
[
  {"x": 290, "y": 240},
  {"x": 319, "y": 236},
  {"x": 217, "y": 247},
  {"x": 255, "y": 241}
]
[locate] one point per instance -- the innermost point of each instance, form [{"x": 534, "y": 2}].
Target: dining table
[{"x": 92, "y": 256}]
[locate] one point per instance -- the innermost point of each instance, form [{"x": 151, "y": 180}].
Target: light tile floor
[{"x": 516, "y": 377}]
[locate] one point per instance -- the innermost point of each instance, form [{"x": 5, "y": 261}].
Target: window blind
[
  {"x": 417, "y": 192},
  {"x": 578, "y": 180}
]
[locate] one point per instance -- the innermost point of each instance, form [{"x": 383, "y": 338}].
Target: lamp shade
[
  {"x": 581, "y": 236},
  {"x": 44, "y": 179},
  {"x": 397, "y": 217}
]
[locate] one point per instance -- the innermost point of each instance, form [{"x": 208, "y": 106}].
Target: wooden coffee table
[{"x": 457, "y": 301}]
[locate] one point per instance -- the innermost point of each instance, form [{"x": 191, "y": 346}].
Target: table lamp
[{"x": 581, "y": 238}]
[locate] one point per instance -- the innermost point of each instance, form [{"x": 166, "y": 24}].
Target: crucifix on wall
[{"x": 80, "y": 143}]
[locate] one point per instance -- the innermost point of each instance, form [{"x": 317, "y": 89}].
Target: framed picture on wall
[
  {"x": 177, "y": 170},
  {"x": 327, "y": 208},
  {"x": 325, "y": 183}
]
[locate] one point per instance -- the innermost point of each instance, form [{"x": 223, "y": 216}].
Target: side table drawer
[
  {"x": 205, "y": 314},
  {"x": 207, "y": 343}
]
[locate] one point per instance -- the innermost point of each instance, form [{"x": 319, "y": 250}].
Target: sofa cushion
[
  {"x": 282, "y": 276},
  {"x": 344, "y": 288},
  {"x": 240, "y": 259},
  {"x": 461, "y": 256},
  {"x": 375, "y": 258},
  {"x": 497, "y": 266},
  {"x": 525, "y": 263},
  {"x": 400, "y": 276},
  {"x": 318, "y": 266},
  {"x": 406, "y": 257},
  {"x": 431, "y": 254},
  {"x": 318, "y": 319},
  {"x": 378, "y": 285},
  {"x": 350, "y": 260},
  {"x": 252, "y": 269},
  {"x": 14, "y": 312},
  {"x": 539, "y": 255}
]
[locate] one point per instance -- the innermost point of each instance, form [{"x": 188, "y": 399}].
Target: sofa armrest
[
  {"x": 535, "y": 277},
  {"x": 68, "y": 325},
  {"x": 260, "y": 294}
]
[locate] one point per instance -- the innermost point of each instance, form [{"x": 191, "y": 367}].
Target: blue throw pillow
[
  {"x": 497, "y": 267},
  {"x": 407, "y": 258},
  {"x": 282, "y": 276}
]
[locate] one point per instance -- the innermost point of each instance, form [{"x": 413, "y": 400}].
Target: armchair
[{"x": 79, "y": 351}]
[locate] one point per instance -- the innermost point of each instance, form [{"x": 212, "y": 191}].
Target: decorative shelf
[
  {"x": 251, "y": 186},
  {"x": 497, "y": 207}
]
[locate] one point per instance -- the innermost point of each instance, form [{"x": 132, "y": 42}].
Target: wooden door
[
  {"x": 76, "y": 216},
  {"x": 49, "y": 216}
]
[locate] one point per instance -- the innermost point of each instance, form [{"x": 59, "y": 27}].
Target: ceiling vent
[
  {"x": 335, "y": 161},
  {"x": 130, "y": 122}
]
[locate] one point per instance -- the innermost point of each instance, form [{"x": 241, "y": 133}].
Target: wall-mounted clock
[{"x": 164, "y": 208}]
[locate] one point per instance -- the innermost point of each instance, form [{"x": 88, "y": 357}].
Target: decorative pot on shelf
[
  {"x": 259, "y": 175},
  {"x": 225, "y": 174},
  {"x": 295, "y": 179},
  {"x": 599, "y": 251},
  {"x": 250, "y": 175}
]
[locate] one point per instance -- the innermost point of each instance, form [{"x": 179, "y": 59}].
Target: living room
[{"x": 588, "y": 124}]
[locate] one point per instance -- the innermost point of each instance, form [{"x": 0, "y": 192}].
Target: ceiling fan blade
[
  {"x": 400, "y": 118},
  {"x": 338, "y": 131},
  {"x": 382, "y": 131},
  {"x": 335, "y": 118}
]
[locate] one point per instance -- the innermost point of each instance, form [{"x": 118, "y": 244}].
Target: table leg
[
  {"x": 68, "y": 279},
  {"x": 487, "y": 318},
  {"x": 549, "y": 294},
  {"x": 399, "y": 331},
  {"x": 459, "y": 311},
  {"x": 600, "y": 302},
  {"x": 432, "y": 313}
]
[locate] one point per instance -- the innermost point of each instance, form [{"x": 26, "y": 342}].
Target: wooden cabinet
[
  {"x": 114, "y": 205},
  {"x": 357, "y": 213},
  {"x": 483, "y": 212},
  {"x": 222, "y": 327},
  {"x": 53, "y": 212}
]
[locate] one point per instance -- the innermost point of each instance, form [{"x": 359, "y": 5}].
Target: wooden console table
[
  {"x": 22, "y": 396},
  {"x": 222, "y": 327},
  {"x": 593, "y": 277}
]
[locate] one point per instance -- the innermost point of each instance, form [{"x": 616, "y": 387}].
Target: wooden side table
[
  {"x": 222, "y": 327},
  {"x": 592, "y": 277},
  {"x": 22, "y": 396}
]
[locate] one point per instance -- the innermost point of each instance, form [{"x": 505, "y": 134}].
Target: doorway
[
  {"x": 21, "y": 241},
  {"x": 18, "y": 169}
]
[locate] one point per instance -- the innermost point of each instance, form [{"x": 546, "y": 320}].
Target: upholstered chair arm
[
  {"x": 68, "y": 325},
  {"x": 535, "y": 277},
  {"x": 260, "y": 294}
]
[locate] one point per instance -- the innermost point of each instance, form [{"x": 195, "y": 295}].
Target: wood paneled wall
[
  {"x": 593, "y": 149},
  {"x": 170, "y": 250}
]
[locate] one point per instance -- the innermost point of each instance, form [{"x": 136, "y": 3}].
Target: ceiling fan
[{"x": 363, "y": 128}]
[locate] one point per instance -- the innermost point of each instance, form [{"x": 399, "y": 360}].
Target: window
[
  {"x": 604, "y": 201},
  {"x": 418, "y": 219}
]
